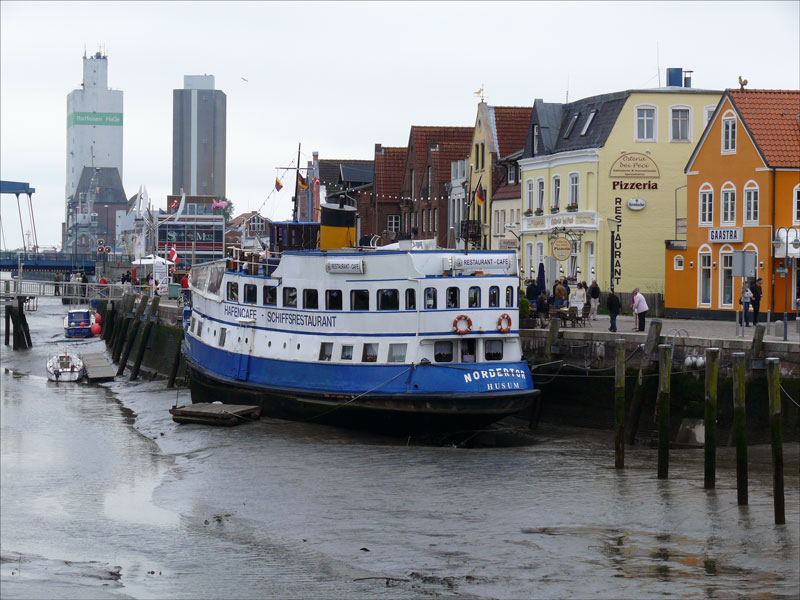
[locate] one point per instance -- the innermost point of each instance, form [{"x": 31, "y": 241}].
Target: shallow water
[{"x": 104, "y": 496}]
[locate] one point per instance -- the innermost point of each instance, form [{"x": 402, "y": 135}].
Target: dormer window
[
  {"x": 572, "y": 122},
  {"x": 535, "y": 140},
  {"x": 512, "y": 173},
  {"x": 729, "y": 133},
  {"x": 588, "y": 122}
]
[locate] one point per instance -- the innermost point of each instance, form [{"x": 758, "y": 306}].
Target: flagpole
[{"x": 296, "y": 184}]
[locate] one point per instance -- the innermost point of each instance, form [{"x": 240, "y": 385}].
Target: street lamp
[{"x": 787, "y": 265}]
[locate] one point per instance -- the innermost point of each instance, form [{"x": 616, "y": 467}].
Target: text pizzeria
[{"x": 634, "y": 185}]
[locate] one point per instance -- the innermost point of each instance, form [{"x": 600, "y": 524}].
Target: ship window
[
  {"x": 347, "y": 353},
  {"x": 411, "y": 299},
  {"x": 270, "y": 295},
  {"x": 388, "y": 300},
  {"x": 493, "y": 349},
  {"x": 468, "y": 351},
  {"x": 290, "y": 297},
  {"x": 397, "y": 353},
  {"x": 333, "y": 299},
  {"x": 250, "y": 293},
  {"x": 191, "y": 328},
  {"x": 222, "y": 334},
  {"x": 325, "y": 350},
  {"x": 510, "y": 296},
  {"x": 474, "y": 297},
  {"x": 359, "y": 300},
  {"x": 494, "y": 296},
  {"x": 233, "y": 291},
  {"x": 199, "y": 329},
  {"x": 370, "y": 353},
  {"x": 452, "y": 298},
  {"x": 310, "y": 299},
  {"x": 430, "y": 298},
  {"x": 443, "y": 351}
]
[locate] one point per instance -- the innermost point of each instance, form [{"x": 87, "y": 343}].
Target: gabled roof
[
  {"x": 106, "y": 182},
  {"x": 388, "y": 171},
  {"x": 556, "y": 120},
  {"x": 239, "y": 219},
  {"x": 771, "y": 119},
  {"x": 447, "y": 153},
  {"x": 330, "y": 170},
  {"x": 424, "y": 138},
  {"x": 510, "y": 127}
]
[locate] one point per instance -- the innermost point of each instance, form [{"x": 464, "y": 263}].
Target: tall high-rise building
[
  {"x": 94, "y": 123},
  {"x": 198, "y": 137}
]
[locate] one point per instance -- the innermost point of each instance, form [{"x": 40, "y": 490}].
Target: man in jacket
[
  {"x": 594, "y": 300},
  {"x": 561, "y": 295},
  {"x": 756, "y": 301},
  {"x": 613, "y": 304}
]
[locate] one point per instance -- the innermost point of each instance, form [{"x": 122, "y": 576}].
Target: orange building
[{"x": 743, "y": 193}]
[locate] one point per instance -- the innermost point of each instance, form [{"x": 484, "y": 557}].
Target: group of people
[{"x": 751, "y": 298}]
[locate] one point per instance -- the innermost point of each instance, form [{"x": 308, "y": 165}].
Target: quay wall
[{"x": 577, "y": 381}]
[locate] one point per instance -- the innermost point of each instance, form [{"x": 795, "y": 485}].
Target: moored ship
[{"x": 384, "y": 338}]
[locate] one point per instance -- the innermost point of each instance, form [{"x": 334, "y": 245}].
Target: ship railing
[{"x": 251, "y": 263}]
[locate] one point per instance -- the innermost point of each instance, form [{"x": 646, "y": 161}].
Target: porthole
[
  {"x": 269, "y": 344},
  {"x": 239, "y": 339},
  {"x": 284, "y": 345},
  {"x": 245, "y": 340},
  {"x": 298, "y": 346}
]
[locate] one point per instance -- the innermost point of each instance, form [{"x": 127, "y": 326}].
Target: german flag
[
  {"x": 480, "y": 196},
  {"x": 302, "y": 182}
]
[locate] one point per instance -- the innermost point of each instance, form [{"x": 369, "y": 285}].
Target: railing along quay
[{"x": 19, "y": 288}]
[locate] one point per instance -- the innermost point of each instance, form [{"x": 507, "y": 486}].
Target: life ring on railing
[
  {"x": 500, "y": 327},
  {"x": 464, "y": 318}
]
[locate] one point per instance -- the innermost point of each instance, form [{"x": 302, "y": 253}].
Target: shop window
[
  {"x": 443, "y": 351},
  {"x": 726, "y": 279},
  {"x": 493, "y": 349}
]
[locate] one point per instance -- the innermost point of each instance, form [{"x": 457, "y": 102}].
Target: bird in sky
[{"x": 243, "y": 79}]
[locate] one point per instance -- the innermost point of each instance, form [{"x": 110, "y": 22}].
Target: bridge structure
[
  {"x": 18, "y": 188},
  {"x": 47, "y": 262}
]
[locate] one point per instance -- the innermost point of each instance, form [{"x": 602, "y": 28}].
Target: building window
[
  {"x": 393, "y": 223},
  {"x": 751, "y": 202},
  {"x": 512, "y": 173},
  {"x": 430, "y": 185},
  {"x": 726, "y": 279},
  {"x": 796, "y": 212},
  {"x": 496, "y": 222},
  {"x": 572, "y": 122},
  {"x": 589, "y": 120},
  {"x": 677, "y": 263},
  {"x": 540, "y": 193},
  {"x": 728, "y": 203},
  {"x": 529, "y": 195},
  {"x": 706, "y": 205},
  {"x": 681, "y": 128},
  {"x": 477, "y": 157},
  {"x": 535, "y": 140},
  {"x": 556, "y": 192},
  {"x": 483, "y": 156},
  {"x": 709, "y": 112},
  {"x": 424, "y": 221},
  {"x": 705, "y": 279},
  {"x": 729, "y": 133},
  {"x": 645, "y": 124},
  {"x": 574, "y": 188},
  {"x": 434, "y": 216}
]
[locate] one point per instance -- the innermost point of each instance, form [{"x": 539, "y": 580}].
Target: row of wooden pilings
[
  {"x": 18, "y": 334},
  {"x": 122, "y": 328},
  {"x": 710, "y": 421}
]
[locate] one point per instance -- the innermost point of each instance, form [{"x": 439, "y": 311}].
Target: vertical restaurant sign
[
  {"x": 615, "y": 232},
  {"x": 94, "y": 118}
]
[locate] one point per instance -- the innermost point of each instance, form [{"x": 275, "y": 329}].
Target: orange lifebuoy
[
  {"x": 507, "y": 328},
  {"x": 460, "y": 318}
]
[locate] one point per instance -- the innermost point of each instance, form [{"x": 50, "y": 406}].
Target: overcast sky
[{"x": 340, "y": 77}]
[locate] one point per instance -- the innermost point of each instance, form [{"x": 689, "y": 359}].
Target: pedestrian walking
[
  {"x": 531, "y": 292},
  {"x": 85, "y": 282},
  {"x": 639, "y": 307},
  {"x": 747, "y": 297},
  {"x": 756, "y": 301},
  {"x": 57, "y": 284},
  {"x": 594, "y": 300},
  {"x": 613, "y": 304}
]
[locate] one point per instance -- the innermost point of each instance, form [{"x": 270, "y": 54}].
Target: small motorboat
[
  {"x": 65, "y": 367},
  {"x": 78, "y": 323}
]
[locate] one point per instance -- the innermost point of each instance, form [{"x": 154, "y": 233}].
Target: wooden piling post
[
  {"x": 8, "y": 325},
  {"x": 637, "y": 401},
  {"x": 552, "y": 336},
  {"x": 619, "y": 405},
  {"x": 123, "y": 359},
  {"x": 26, "y": 331},
  {"x": 740, "y": 426},
  {"x": 151, "y": 317},
  {"x": 664, "y": 372},
  {"x": 758, "y": 342},
  {"x": 173, "y": 372},
  {"x": 774, "y": 389},
  {"x": 710, "y": 418},
  {"x": 121, "y": 328}
]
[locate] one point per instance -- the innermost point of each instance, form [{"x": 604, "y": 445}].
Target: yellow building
[{"x": 603, "y": 184}]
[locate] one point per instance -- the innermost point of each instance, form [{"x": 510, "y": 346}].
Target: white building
[{"x": 94, "y": 123}]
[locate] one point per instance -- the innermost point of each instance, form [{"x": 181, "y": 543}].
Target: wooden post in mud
[
  {"x": 121, "y": 328},
  {"x": 619, "y": 405},
  {"x": 552, "y": 336},
  {"x": 710, "y": 418},
  {"x": 740, "y": 427},
  {"x": 173, "y": 372},
  {"x": 8, "y": 325},
  {"x": 151, "y": 318},
  {"x": 757, "y": 346},
  {"x": 637, "y": 401},
  {"x": 664, "y": 372},
  {"x": 774, "y": 389},
  {"x": 137, "y": 317}
]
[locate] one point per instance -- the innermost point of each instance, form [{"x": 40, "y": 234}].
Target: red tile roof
[
  {"x": 511, "y": 123},
  {"x": 508, "y": 191},
  {"x": 447, "y": 153},
  {"x": 425, "y": 137},
  {"x": 388, "y": 177},
  {"x": 772, "y": 117}
]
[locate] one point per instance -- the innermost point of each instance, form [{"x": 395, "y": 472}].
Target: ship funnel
[{"x": 337, "y": 226}]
